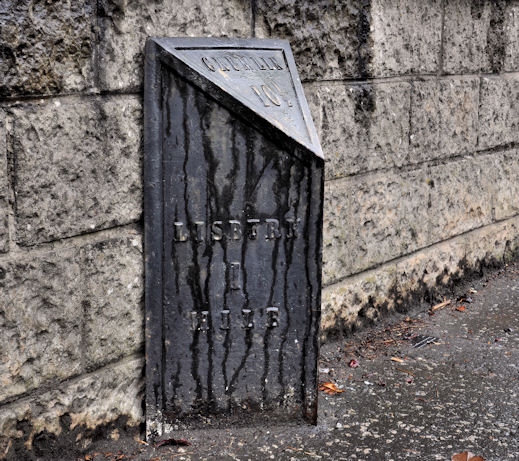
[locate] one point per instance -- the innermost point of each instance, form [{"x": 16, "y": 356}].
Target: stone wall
[{"x": 416, "y": 103}]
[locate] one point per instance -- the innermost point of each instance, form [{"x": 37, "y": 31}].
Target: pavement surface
[{"x": 458, "y": 393}]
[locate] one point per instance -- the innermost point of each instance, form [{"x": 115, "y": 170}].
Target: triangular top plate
[{"x": 258, "y": 73}]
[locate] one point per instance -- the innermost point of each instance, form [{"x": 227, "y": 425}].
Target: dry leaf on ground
[
  {"x": 330, "y": 388},
  {"x": 466, "y": 456},
  {"x": 396, "y": 359}
]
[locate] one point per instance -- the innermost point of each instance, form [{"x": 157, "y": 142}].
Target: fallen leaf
[
  {"x": 396, "y": 359},
  {"x": 466, "y": 456},
  {"x": 330, "y": 388},
  {"x": 142, "y": 442},
  {"x": 353, "y": 363},
  {"x": 88, "y": 457},
  {"x": 461, "y": 308},
  {"x": 175, "y": 442}
]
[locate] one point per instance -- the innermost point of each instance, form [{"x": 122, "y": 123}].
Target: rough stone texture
[
  {"x": 363, "y": 127},
  {"x": 406, "y": 36},
  {"x": 444, "y": 116},
  {"x": 4, "y": 232},
  {"x": 46, "y": 47},
  {"x": 349, "y": 304},
  {"x": 504, "y": 172},
  {"x": 512, "y": 48},
  {"x": 379, "y": 217},
  {"x": 65, "y": 310},
  {"x": 78, "y": 167},
  {"x": 499, "y": 111},
  {"x": 493, "y": 244},
  {"x": 113, "y": 299},
  {"x": 372, "y": 219},
  {"x": 480, "y": 36},
  {"x": 355, "y": 38},
  {"x": 40, "y": 320},
  {"x": 125, "y": 25},
  {"x": 361, "y": 299},
  {"x": 460, "y": 198},
  {"x": 92, "y": 400}
]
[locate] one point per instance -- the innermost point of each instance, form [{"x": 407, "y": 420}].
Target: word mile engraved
[{"x": 234, "y": 230}]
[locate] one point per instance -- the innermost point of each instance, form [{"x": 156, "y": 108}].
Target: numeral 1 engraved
[
  {"x": 226, "y": 320},
  {"x": 235, "y": 276}
]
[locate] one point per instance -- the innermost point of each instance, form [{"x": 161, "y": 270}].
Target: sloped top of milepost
[{"x": 259, "y": 74}]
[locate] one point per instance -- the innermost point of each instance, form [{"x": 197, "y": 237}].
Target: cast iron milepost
[{"x": 233, "y": 234}]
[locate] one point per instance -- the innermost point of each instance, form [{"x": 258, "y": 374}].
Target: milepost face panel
[{"x": 233, "y": 232}]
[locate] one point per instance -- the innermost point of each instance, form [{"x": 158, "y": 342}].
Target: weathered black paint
[{"x": 233, "y": 232}]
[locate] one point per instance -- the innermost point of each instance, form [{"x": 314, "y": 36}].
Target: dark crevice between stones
[
  {"x": 421, "y": 298},
  {"x": 364, "y": 95},
  {"x": 496, "y": 37},
  {"x": 69, "y": 444}
]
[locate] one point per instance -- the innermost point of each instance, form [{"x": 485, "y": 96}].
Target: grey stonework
[
  {"x": 46, "y": 47},
  {"x": 480, "y": 36},
  {"x": 417, "y": 108},
  {"x": 78, "y": 166},
  {"x": 68, "y": 309},
  {"x": 3, "y": 185},
  {"x": 499, "y": 111},
  {"x": 125, "y": 25}
]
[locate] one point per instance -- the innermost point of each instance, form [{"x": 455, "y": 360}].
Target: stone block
[
  {"x": 333, "y": 40},
  {"x": 444, "y": 117},
  {"x": 47, "y": 47},
  {"x": 460, "y": 198},
  {"x": 79, "y": 166},
  {"x": 400, "y": 285},
  {"x": 364, "y": 127},
  {"x": 92, "y": 400},
  {"x": 499, "y": 111},
  {"x": 421, "y": 274},
  {"x": 372, "y": 219},
  {"x": 40, "y": 320},
  {"x": 406, "y": 36},
  {"x": 67, "y": 310},
  {"x": 503, "y": 169},
  {"x": 491, "y": 245},
  {"x": 125, "y": 26},
  {"x": 512, "y": 32},
  {"x": 358, "y": 300},
  {"x": 4, "y": 232},
  {"x": 113, "y": 280},
  {"x": 480, "y": 36}
]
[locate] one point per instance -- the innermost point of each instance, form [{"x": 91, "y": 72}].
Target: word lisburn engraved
[{"x": 270, "y": 229}]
